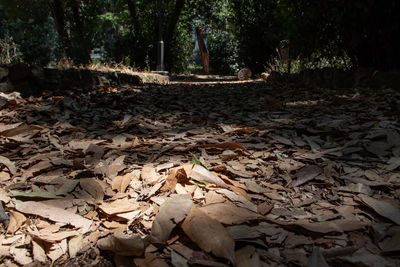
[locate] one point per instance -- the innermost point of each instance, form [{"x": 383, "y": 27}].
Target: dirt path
[{"x": 254, "y": 175}]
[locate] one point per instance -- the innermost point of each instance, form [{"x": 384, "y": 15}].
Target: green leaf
[
  {"x": 196, "y": 161},
  {"x": 199, "y": 181},
  {"x": 37, "y": 194}
]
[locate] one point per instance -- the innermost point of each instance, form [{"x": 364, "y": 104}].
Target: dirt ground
[{"x": 204, "y": 172}]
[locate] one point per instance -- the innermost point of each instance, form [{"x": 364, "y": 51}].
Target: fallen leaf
[
  {"x": 38, "y": 251},
  {"x": 123, "y": 205},
  {"x": 149, "y": 174},
  {"x": 150, "y": 260},
  {"x": 226, "y": 145},
  {"x": 336, "y": 226},
  {"x": 57, "y": 250},
  {"x": 247, "y": 256},
  {"x": 9, "y": 164},
  {"x": 317, "y": 259},
  {"x": 230, "y": 214},
  {"x": 20, "y": 255},
  {"x": 209, "y": 234},
  {"x": 16, "y": 221},
  {"x": 53, "y": 213},
  {"x": 306, "y": 174},
  {"x": 177, "y": 260},
  {"x": 122, "y": 244},
  {"x": 381, "y": 207},
  {"x": 242, "y": 201},
  {"x": 36, "y": 194},
  {"x": 93, "y": 187},
  {"x": 118, "y": 140},
  {"x": 363, "y": 257},
  {"x": 67, "y": 187},
  {"x": 171, "y": 212},
  {"x": 120, "y": 183},
  {"x": 74, "y": 245},
  {"x": 200, "y": 173},
  {"x": 52, "y": 237}
]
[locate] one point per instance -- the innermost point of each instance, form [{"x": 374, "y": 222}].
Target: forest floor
[{"x": 201, "y": 173}]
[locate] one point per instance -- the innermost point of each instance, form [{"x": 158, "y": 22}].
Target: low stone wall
[
  {"x": 336, "y": 78},
  {"x": 32, "y": 80}
]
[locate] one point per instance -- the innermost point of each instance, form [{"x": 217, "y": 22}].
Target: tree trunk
[
  {"x": 134, "y": 17},
  {"x": 172, "y": 22},
  {"x": 57, "y": 9},
  {"x": 203, "y": 50},
  {"x": 84, "y": 56}
]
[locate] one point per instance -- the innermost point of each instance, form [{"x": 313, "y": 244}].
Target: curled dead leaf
[
  {"x": 171, "y": 212},
  {"x": 122, "y": 244},
  {"x": 209, "y": 234}
]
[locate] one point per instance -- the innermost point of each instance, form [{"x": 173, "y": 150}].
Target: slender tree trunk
[
  {"x": 57, "y": 9},
  {"x": 172, "y": 22},
  {"x": 79, "y": 28},
  {"x": 203, "y": 50},
  {"x": 134, "y": 17}
]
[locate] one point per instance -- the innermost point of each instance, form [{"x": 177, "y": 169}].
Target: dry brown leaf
[
  {"x": 335, "y": 226},
  {"x": 180, "y": 189},
  {"x": 200, "y": 173},
  {"x": 9, "y": 164},
  {"x": 122, "y": 244},
  {"x": 120, "y": 183},
  {"x": 123, "y": 205},
  {"x": 38, "y": 251},
  {"x": 149, "y": 174},
  {"x": 242, "y": 201},
  {"x": 20, "y": 255},
  {"x": 39, "y": 167},
  {"x": 93, "y": 187},
  {"x": 363, "y": 257},
  {"x": 21, "y": 130},
  {"x": 150, "y": 260},
  {"x": 16, "y": 220},
  {"x": 52, "y": 237},
  {"x": 53, "y": 213},
  {"x": 129, "y": 215},
  {"x": 4, "y": 176},
  {"x": 247, "y": 256},
  {"x": 226, "y": 145},
  {"x": 116, "y": 166},
  {"x": 317, "y": 259},
  {"x": 209, "y": 234},
  {"x": 57, "y": 250},
  {"x": 113, "y": 225},
  {"x": 229, "y": 214},
  {"x": 264, "y": 208},
  {"x": 171, "y": 212},
  {"x": 383, "y": 208},
  {"x": 74, "y": 245},
  {"x": 306, "y": 174}
]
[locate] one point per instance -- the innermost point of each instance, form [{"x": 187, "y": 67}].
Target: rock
[
  {"x": 244, "y": 74},
  {"x": 3, "y": 73},
  {"x": 19, "y": 72},
  {"x": 387, "y": 79},
  {"x": 6, "y": 87},
  {"x": 265, "y": 75}
]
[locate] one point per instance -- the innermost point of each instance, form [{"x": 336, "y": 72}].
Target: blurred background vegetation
[{"x": 239, "y": 33}]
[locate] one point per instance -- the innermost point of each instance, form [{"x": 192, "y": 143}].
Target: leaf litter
[{"x": 206, "y": 174}]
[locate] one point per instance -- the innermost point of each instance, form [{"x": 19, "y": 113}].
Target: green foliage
[
  {"x": 223, "y": 49},
  {"x": 181, "y": 49},
  {"x": 30, "y": 30},
  {"x": 240, "y": 33},
  {"x": 9, "y": 51},
  {"x": 258, "y": 32},
  {"x": 364, "y": 31}
]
